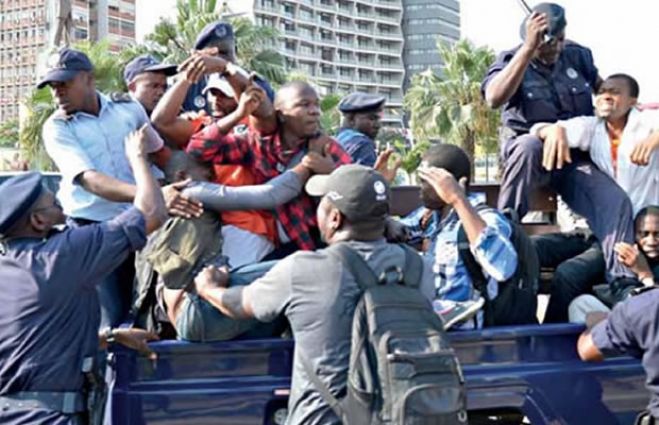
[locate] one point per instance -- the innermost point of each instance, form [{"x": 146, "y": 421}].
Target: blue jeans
[{"x": 200, "y": 321}]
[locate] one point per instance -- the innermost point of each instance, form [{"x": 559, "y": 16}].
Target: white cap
[{"x": 215, "y": 81}]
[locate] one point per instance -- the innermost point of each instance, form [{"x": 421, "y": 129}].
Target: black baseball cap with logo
[
  {"x": 64, "y": 66},
  {"x": 359, "y": 192}
]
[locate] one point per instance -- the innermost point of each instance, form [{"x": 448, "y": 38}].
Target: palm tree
[
  {"x": 450, "y": 107},
  {"x": 39, "y": 105},
  {"x": 173, "y": 40}
]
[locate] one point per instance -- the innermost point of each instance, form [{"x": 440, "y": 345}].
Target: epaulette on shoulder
[{"x": 120, "y": 97}]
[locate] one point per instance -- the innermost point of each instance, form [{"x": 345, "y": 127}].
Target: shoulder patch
[{"x": 120, "y": 97}]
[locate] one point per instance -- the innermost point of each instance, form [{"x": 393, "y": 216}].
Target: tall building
[
  {"x": 424, "y": 22},
  {"x": 27, "y": 29},
  {"x": 345, "y": 45},
  {"x": 365, "y": 45}
]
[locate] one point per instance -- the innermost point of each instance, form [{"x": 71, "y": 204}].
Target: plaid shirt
[{"x": 267, "y": 158}]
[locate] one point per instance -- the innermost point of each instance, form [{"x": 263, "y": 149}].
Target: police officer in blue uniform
[
  {"x": 546, "y": 79},
  {"x": 49, "y": 307},
  {"x": 218, "y": 39},
  {"x": 146, "y": 80},
  {"x": 361, "y": 123},
  {"x": 630, "y": 329}
]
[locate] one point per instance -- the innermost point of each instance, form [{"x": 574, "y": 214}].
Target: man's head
[
  {"x": 220, "y": 95},
  {"x": 71, "y": 80},
  {"x": 616, "y": 96},
  {"x": 549, "y": 51},
  {"x": 146, "y": 79},
  {"x": 449, "y": 157},
  {"x": 298, "y": 109},
  {"x": 646, "y": 225},
  {"x": 362, "y": 112},
  {"x": 218, "y": 35},
  {"x": 354, "y": 204},
  {"x": 28, "y": 208},
  {"x": 181, "y": 166}
]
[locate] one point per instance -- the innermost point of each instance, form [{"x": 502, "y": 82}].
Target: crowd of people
[{"x": 200, "y": 210}]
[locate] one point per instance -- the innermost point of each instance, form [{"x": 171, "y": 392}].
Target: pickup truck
[{"x": 514, "y": 375}]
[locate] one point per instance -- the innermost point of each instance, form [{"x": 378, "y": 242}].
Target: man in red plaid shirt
[{"x": 297, "y": 113}]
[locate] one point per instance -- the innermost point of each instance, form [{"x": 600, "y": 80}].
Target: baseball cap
[
  {"x": 359, "y": 192},
  {"x": 146, "y": 63},
  {"x": 64, "y": 65},
  {"x": 215, "y": 81}
]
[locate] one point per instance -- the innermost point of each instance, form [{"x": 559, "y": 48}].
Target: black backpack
[
  {"x": 402, "y": 369},
  {"x": 516, "y": 302}
]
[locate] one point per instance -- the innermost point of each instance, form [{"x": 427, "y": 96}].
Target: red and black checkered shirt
[{"x": 266, "y": 157}]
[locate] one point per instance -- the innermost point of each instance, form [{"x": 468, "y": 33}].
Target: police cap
[
  {"x": 215, "y": 31},
  {"x": 146, "y": 63},
  {"x": 64, "y": 65},
  {"x": 555, "y": 19},
  {"x": 18, "y": 194},
  {"x": 361, "y": 102}
]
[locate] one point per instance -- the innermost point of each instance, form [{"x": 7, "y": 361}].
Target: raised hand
[
  {"x": 448, "y": 189},
  {"x": 135, "y": 144},
  {"x": 385, "y": 167},
  {"x": 179, "y": 204},
  {"x": 536, "y": 28}
]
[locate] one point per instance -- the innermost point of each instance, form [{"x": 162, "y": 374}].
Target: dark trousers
[
  {"x": 579, "y": 265},
  {"x": 584, "y": 188}
]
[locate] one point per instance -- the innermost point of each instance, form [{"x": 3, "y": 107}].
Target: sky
[{"x": 623, "y": 35}]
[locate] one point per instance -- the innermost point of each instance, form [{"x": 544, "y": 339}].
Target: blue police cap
[
  {"x": 146, "y": 63},
  {"x": 215, "y": 31},
  {"x": 555, "y": 19},
  {"x": 64, "y": 65},
  {"x": 18, "y": 194},
  {"x": 361, "y": 102}
]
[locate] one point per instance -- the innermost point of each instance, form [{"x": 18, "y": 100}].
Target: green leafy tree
[
  {"x": 39, "y": 104},
  {"x": 9, "y": 134},
  {"x": 173, "y": 40},
  {"x": 450, "y": 107}
]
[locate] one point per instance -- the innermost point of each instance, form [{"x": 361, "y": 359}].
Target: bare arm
[
  {"x": 505, "y": 84},
  {"x": 106, "y": 187},
  {"x": 165, "y": 116},
  {"x": 587, "y": 349}
]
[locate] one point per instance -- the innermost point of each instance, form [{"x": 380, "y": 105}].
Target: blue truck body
[{"x": 511, "y": 373}]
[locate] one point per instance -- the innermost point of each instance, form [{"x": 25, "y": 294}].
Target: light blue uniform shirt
[{"x": 82, "y": 142}]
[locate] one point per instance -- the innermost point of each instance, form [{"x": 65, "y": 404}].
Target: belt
[{"x": 65, "y": 402}]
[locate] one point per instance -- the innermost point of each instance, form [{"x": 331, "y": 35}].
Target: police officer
[
  {"x": 50, "y": 314},
  {"x": 630, "y": 329},
  {"x": 85, "y": 139},
  {"x": 146, "y": 79},
  {"x": 546, "y": 79},
  {"x": 215, "y": 52},
  {"x": 361, "y": 122}
]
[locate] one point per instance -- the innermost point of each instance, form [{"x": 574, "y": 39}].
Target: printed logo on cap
[
  {"x": 54, "y": 62},
  {"x": 380, "y": 191},
  {"x": 334, "y": 196},
  {"x": 220, "y": 31},
  {"x": 199, "y": 101}
]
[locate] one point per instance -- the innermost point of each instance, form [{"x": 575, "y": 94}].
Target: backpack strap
[
  {"x": 413, "y": 270},
  {"x": 364, "y": 275},
  {"x": 474, "y": 270}
]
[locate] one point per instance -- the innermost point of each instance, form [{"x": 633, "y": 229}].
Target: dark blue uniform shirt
[
  {"x": 548, "y": 94},
  {"x": 632, "y": 328},
  {"x": 359, "y": 146},
  {"x": 50, "y": 314}
]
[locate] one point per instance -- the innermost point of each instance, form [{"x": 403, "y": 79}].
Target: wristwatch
[{"x": 110, "y": 337}]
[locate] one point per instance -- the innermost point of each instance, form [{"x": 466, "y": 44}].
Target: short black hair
[
  {"x": 649, "y": 210},
  {"x": 449, "y": 157},
  {"x": 632, "y": 84}
]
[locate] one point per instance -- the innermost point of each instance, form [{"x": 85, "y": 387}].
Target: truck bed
[{"x": 530, "y": 372}]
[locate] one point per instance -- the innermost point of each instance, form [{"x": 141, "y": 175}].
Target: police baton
[{"x": 547, "y": 38}]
